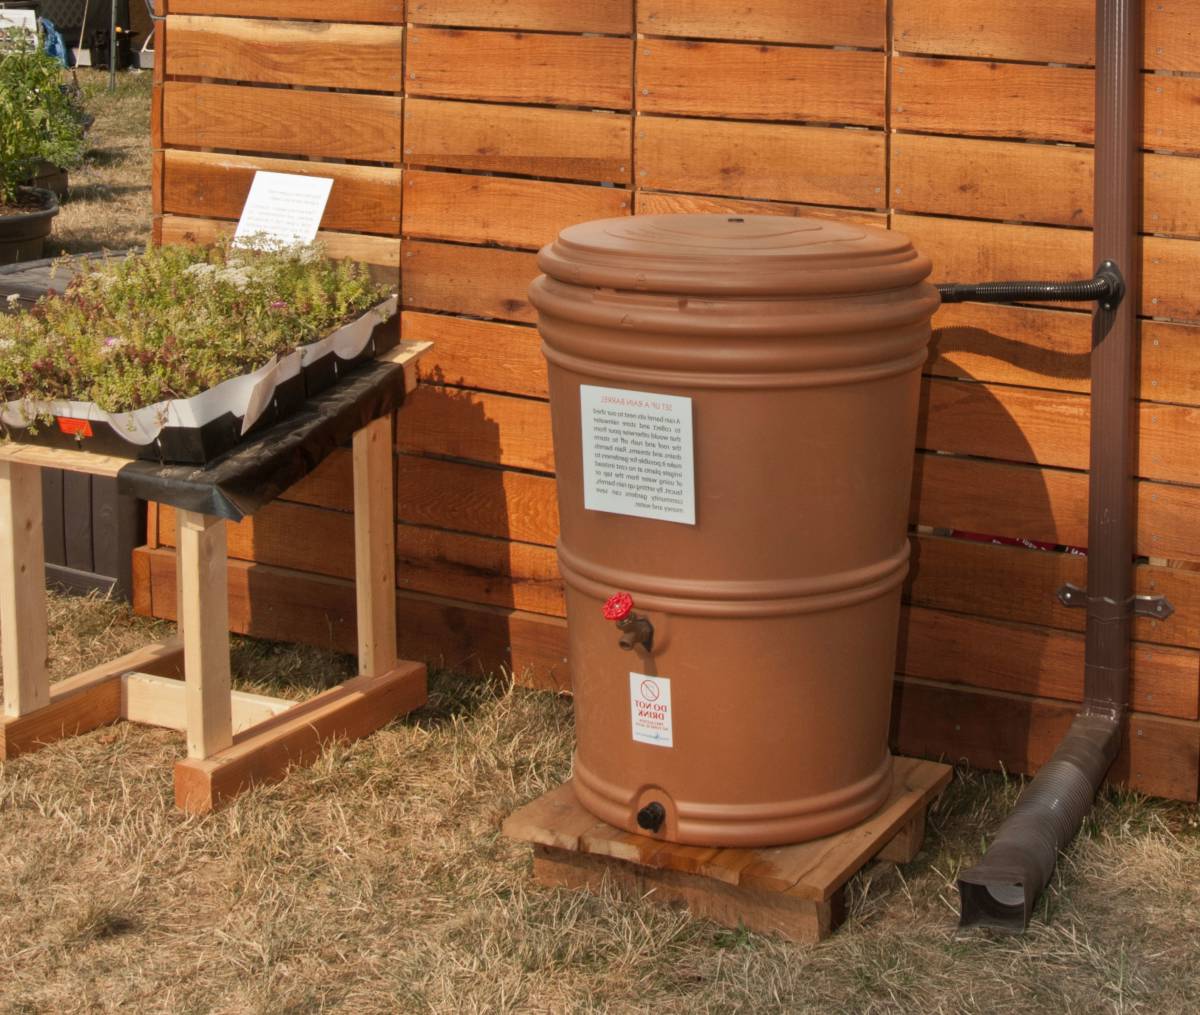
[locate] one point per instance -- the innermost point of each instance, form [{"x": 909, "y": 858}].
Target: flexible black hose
[{"x": 1099, "y": 288}]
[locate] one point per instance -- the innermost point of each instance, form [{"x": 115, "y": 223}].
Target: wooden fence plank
[
  {"x": 1052, "y": 31},
  {"x": 475, "y": 499},
  {"x": 381, "y": 251},
  {"x": 748, "y": 82},
  {"x": 963, "y": 250},
  {"x": 1039, "y": 348},
  {"x": 851, "y": 23},
  {"x": 364, "y": 199},
  {"x": 561, "y": 70},
  {"x": 1021, "y": 182},
  {"x": 1030, "y": 101},
  {"x": 841, "y": 167},
  {"x": 284, "y": 605},
  {"x": 280, "y": 120},
  {"x": 612, "y": 17},
  {"x": 1019, "y": 584},
  {"x": 1051, "y": 428},
  {"x": 382, "y": 11},
  {"x": 510, "y": 212},
  {"x": 479, "y": 570},
  {"x": 565, "y": 144},
  {"x": 478, "y": 427},
  {"x": 483, "y": 281},
  {"x": 1038, "y": 661},
  {"x": 654, "y": 203},
  {"x": 988, "y": 729},
  {"x": 479, "y": 354},
  {"x": 1048, "y": 505},
  {"x": 350, "y": 56},
  {"x": 457, "y": 565}
]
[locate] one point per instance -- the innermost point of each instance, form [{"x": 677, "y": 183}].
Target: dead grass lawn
[
  {"x": 377, "y": 881},
  {"x": 109, "y": 203}
]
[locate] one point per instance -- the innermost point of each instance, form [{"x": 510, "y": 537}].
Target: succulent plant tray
[{"x": 201, "y": 428}]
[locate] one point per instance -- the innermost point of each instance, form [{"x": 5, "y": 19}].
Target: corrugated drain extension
[{"x": 1107, "y": 287}]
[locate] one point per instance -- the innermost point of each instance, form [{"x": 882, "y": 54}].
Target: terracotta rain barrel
[{"x": 734, "y": 408}]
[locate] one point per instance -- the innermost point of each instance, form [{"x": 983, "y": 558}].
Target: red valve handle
[{"x": 618, "y": 607}]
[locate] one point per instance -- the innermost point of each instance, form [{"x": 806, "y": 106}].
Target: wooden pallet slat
[
  {"x": 759, "y": 160},
  {"x": 861, "y": 23},
  {"x": 739, "y": 81},
  {"x": 1036, "y": 183},
  {"x": 468, "y": 353},
  {"x": 1010, "y": 583},
  {"x": 520, "y": 67},
  {"x": 657, "y": 203},
  {"x": 1058, "y": 32},
  {"x": 508, "y": 211},
  {"x": 567, "y": 144},
  {"x": 613, "y": 17},
  {"x": 377, "y": 251},
  {"x": 1039, "y": 662},
  {"x": 353, "y": 125},
  {"x": 482, "y": 281},
  {"x": 374, "y": 11},
  {"x": 328, "y": 55},
  {"x": 478, "y": 427},
  {"x": 364, "y": 199}
]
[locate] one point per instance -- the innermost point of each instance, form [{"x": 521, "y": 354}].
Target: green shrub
[
  {"x": 40, "y": 121},
  {"x": 175, "y": 321}
]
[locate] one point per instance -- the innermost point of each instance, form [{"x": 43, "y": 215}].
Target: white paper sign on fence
[
  {"x": 638, "y": 457},
  {"x": 284, "y": 208}
]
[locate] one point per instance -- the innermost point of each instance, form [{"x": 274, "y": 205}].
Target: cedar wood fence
[{"x": 462, "y": 134}]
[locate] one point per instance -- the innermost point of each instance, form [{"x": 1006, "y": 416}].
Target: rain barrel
[{"x": 734, "y": 404}]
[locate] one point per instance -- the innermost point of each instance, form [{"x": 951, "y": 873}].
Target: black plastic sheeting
[{"x": 255, "y": 473}]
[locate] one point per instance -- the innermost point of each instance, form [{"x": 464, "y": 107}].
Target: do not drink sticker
[{"x": 650, "y": 708}]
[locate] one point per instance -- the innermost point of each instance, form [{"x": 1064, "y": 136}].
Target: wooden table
[{"x": 234, "y": 739}]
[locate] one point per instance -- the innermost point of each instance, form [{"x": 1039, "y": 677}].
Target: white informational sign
[
  {"x": 26, "y": 20},
  {"x": 284, "y": 207},
  {"x": 650, "y": 709},
  {"x": 638, "y": 457}
]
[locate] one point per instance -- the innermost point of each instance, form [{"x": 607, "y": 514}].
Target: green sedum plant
[
  {"x": 39, "y": 120},
  {"x": 175, "y": 321}
]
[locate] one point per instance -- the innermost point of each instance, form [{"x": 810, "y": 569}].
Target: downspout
[{"x": 1000, "y": 891}]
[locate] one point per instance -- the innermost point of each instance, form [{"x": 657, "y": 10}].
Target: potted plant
[
  {"x": 177, "y": 353},
  {"x": 40, "y": 122}
]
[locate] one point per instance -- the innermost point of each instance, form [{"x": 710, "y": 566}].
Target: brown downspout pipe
[{"x": 1000, "y": 890}]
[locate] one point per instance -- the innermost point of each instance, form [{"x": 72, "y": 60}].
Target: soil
[{"x": 23, "y": 206}]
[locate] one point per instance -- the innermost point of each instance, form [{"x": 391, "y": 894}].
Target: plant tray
[{"x": 197, "y": 430}]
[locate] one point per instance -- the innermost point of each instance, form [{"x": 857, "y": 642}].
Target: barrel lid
[{"x": 733, "y": 255}]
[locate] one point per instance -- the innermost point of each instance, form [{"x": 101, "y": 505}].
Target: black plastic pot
[{"x": 23, "y": 236}]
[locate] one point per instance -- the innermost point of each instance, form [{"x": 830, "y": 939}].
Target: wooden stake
[
  {"x": 204, "y": 609},
  {"x": 23, "y": 635},
  {"x": 375, "y": 548}
]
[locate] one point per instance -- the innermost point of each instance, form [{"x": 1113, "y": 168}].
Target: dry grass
[
  {"x": 377, "y": 882},
  {"x": 109, "y": 203}
]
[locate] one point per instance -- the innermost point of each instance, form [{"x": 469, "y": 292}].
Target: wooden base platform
[{"x": 795, "y": 891}]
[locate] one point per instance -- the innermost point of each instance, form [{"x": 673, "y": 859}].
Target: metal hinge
[{"x": 1158, "y": 607}]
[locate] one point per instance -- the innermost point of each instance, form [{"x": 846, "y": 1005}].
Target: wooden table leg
[
  {"x": 204, "y": 610},
  {"x": 23, "y": 629},
  {"x": 375, "y": 548}
]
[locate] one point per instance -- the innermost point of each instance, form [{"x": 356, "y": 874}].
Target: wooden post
[
  {"x": 205, "y": 614},
  {"x": 375, "y": 548},
  {"x": 23, "y": 634}
]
